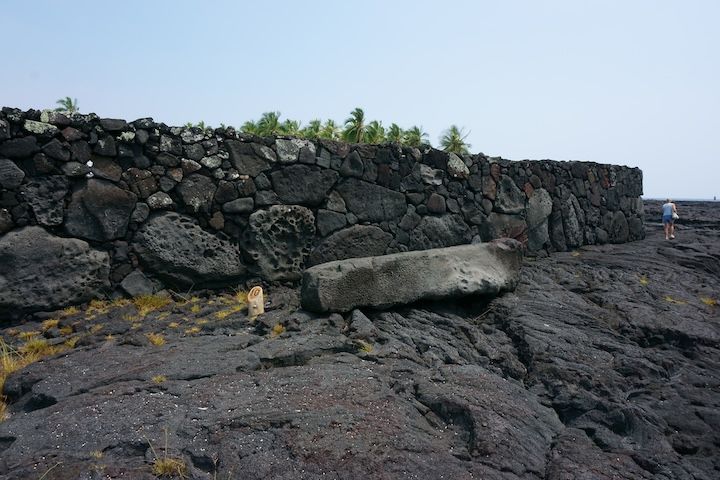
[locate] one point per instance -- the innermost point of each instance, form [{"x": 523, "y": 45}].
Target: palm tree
[
  {"x": 330, "y": 131},
  {"x": 375, "y": 132},
  {"x": 394, "y": 134},
  {"x": 250, "y": 128},
  {"x": 313, "y": 129},
  {"x": 269, "y": 124},
  {"x": 290, "y": 128},
  {"x": 355, "y": 127},
  {"x": 67, "y": 104},
  {"x": 416, "y": 137},
  {"x": 453, "y": 140}
]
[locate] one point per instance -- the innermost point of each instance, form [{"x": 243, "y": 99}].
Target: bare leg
[
  {"x": 666, "y": 227},
  {"x": 672, "y": 230}
]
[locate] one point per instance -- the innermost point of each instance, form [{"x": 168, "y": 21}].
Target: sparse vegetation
[
  {"x": 51, "y": 323},
  {"x": 72, "y": 310},
  {"x": 149, "y": 303},
  {"x": 167, "y": 466},
  {"x": 156, "y": 339},
  {"x": 67, "y": 105},
  {"x": 710, "y": 302},
  {"x": 644, "y": 280},
  {"x": 278, "y": 329},
  {"x": 173, "y": 325},
  {"x": 364, "y": 346},
  {"x": 159, "y": 379},
  {"x": 192, "y": 331},
  {"x": 11, "y": 360}
]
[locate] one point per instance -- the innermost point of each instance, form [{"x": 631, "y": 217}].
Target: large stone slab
[
  {"x": 41, "y": 272},
  {"x": 302, "y": 185},
  {"x": 180, "y": 252},
  {"x": 356, "y": 241},
  {"x": 45, "y": 196},
  {"x": 370, "y": 202},
  {"x": 403, "y": 278}
]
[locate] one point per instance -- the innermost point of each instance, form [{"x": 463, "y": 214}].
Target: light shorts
[{"x": 667, "y": 219}]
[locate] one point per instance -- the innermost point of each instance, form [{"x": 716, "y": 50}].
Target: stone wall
[{"x": 102, "y": 206}]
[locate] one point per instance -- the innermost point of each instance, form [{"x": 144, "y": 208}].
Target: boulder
[
  {"x": 371, "y": 202},
  {"x": 288, "y": 150},
  {"x": 11, "y": 176},
  {"x": 356, "y": 241},
  {"x": 42, "y": 272},
  {"x": 456, "y": 167},
  {"x": 198, "y": 192},
  {"x": 329, "y": 221},
  {"x": 499, "y": 225},
  {"x": 538, "y": 210},
  {"x": 573, "y": 219},
  {"x": 40, "y": 128},
  {"x": 436, "y": 232},
  {"x": 136, "y": 284},
  {"x": 46, "y": 195},
  {"x": 241, "y": 205},
  {"x": 245, "y": 158},
  {"x": 180, "y": 252},
  {"x": 6, "y": 221},
  {"x": 617, "y": 227},
  {"x": 279, "y": 240},
  {"x": 509, "y": 198},
  {"x": 303, "y": 185},
  {"x": 352, "y": 166},
  {"x": 403, "y": 278},
  {"x": 19, "y": 147},
  {"x": 99, "y": 211}
]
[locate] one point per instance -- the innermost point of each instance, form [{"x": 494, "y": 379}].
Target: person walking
[{"x": 669, "y": 214}]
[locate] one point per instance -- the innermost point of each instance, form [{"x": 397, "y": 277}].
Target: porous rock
[
  {"x": 456, "y": 167},
  {"x": 181, "y": 253},
  {"x": 19, "y": 147},
  {"x": 499, "y": 225},
  {"x": 39, "y": 271},
  {"x": 538, "y": 210},
  {"x": 288, "y": 150},
  {"x": 403, "y": 278},
  {"x": 99, "y": 211},
  {"x": 279, "y": 240},
  {"x": 356, "y": 241},
  {"x": 509, "y": 198},
  {"x": 198, "y": 192},
  {"x": 11, "y": 176},
  {"x": 45, "y": 196},
  {"x": 245, "y": 159}
]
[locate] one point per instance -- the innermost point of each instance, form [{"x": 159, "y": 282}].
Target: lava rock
[
  {"x": 11, "y": 176},
  {"x": 356, "y": 241},
  {"x": 46, "y": 195},
  {"x": 371, "y": 202},
  {"x": 435, "y": 232},
  {"x": 99, "y": 211},
  {"x": 198, "y": 192},
  {"x": 303, "y": 185}
]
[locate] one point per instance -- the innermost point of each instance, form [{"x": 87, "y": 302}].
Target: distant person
[{"x": 669, "y": 214}]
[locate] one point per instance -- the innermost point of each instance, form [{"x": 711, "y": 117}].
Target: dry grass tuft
[
  {"x": 167, "y": 466},
  {"x": 173, "y": 325},
  {"x": 48, "y": 324},
  {"x": 156, "y": 339},
  {"x": 644, "y": 280},
  {"x": 278, "y": 329},
  {"x": 73, "y": 310},
  {"x": 97, "y": 307},
  {"x": 710, "y": 302},
  {"x": 672, "y": 300},
  {"x": 159, "y": 379},
  {"x": 192, "y": 331},
  {"x": 149, "y": 303},
  {"x": 66, "y": 330},
  {"x": 71, "y": 342},
  {"x": 364, "y": 346},
  {"x": 195, "y": 309},
  {"x": 28, "y": 335},
  {"x": 11, "y": 360},
  {"x": 223, "y": 314},
  {"x": 96, "y": 454},
  {"x": 39, "y": 347},
  {"x": 96, "y": 328}
]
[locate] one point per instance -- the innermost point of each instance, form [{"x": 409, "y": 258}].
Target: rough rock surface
[
  {"x": 301, "y": 185},
  {"x": 403, "y": 278},
  {"x": 279, "y": 240},
  {"x": 39, "y": 271},
  {"x": 45, "y": 196},
  {"x": 99, "y": 210},
  {"x": 603, "y": 364},
  {"x": 180, "y": 252},
  {"x": 438, "y": 232},
  {"x": 356, "y": 241},
  {"x": 372, "y": 202}
]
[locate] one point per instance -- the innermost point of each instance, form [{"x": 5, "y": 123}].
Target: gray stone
[
  {"x": 167, "y": 184},
  {"x": 436, "y": 232},
  {"x": 137, "y": 284},
  {"x": 159, "y": 201},
  {"x": 288, "y": 150},
  {"x": 192, "y": 135},
  {"x": 4, "y": 130},
  {"x": 42, "y": 272},
  {"x": 181, "y": 253},
  {"x": 217, "y": 221},
  {"x": 80, "y": 151},
  {"x": 436, "y": 203},
  {"x": 99, "y": 211},
  {"x": 403, "y": 278},
  {"x": 75, "y": 169},
  {"x": 170, "y": 144},
  {"x": 303, "y": 185},
  {"x": 499, "y": 225},
  {"x": 361, "y": 327},
  {"x": 213, "y": 161},
  {"x": 106, "y": 146},
  {"x": 356, "y": 241},
  {"x": 11, "y": 176},
  {"x": 264, "y": 198},
  {"x": 372, "y": 202},
  {"x": 142, "y": 183},
  {"x": 241, "y": 205},
  {"x": 617, "y": 227},
  {"x": 538, "y": 210},
  {"x": 113, "y": 124},
  {"x": 245, "y": 159},
  {"x": 336, "y": 203},
  {"x": 189, "y": 166},
  {"x": 264, "y": 152},
  {"x": 197, "y": 192},
  {"x": 107, "y": 168},
  {"x": 279, "y": 241},
  {"x": 167, "y": 160},
  {"x": 329, "y": 221},
  {"x": 46, "y": 195},
  {"x": 141, "y": 212},
  {"x": 226, "y": 192},
  {"x": 56, "y": 150},
  {"x": 40, "y": 128},
  {"x": 352, "y": 166},
  {"x": 19, "y": 147},
  {"x": 194, "y": 152},
  {"x": 573, "y": 221},
  {"x": 510, "y": 199},
  {"x": 6, "y": 221},
  {"x": 456, "y": 167}
]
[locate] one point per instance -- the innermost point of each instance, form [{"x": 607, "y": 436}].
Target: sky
[{"x": 628, "y": 82}]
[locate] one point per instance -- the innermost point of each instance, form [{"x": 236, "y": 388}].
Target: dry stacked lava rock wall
[{"x": 92, "y": 206}]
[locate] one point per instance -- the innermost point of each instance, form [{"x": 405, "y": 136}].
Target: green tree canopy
[
  {"x": 67, "y": 104},
  {"x": 415, "y": 137},
  {"x": 355, "y": 127},
  {"x": 453, "y": 140},
  {"x": 375, "y": 132}
]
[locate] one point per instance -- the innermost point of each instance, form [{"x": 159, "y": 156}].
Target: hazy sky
[{"x": 631, "y": 82}]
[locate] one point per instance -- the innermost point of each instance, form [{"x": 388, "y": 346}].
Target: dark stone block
[
  {"x": 301, "y": 185},
  {"x": 19, "y": 147}
]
